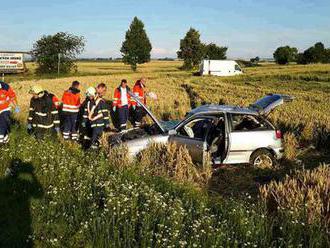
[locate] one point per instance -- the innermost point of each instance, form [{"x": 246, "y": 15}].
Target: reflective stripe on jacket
[
  {"x": 97, "y": 113},
  {"x": 43, "y": 113},
  {"x": 71, "y": 101}
]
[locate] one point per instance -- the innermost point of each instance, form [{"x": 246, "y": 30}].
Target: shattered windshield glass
[{"x": 168, "y": 125}]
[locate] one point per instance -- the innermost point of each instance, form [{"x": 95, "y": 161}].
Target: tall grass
[
  {"x": 305, "y": 195},
  {"x": 173, "y": 162}
]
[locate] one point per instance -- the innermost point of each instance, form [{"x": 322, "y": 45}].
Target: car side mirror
[{"x": 172, "y": 132}]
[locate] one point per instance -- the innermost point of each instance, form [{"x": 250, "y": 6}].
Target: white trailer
[{"x": 220, "y": 68}]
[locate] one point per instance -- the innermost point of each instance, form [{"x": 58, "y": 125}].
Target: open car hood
[
  {"x": 147, "y": 111},
  {"x": 266, "y": 104}
]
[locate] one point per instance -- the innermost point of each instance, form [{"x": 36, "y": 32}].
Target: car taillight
[{"x": 278, "y": 134}]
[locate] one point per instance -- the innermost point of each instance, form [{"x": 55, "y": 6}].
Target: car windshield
[{"x": 168, "y": 125}]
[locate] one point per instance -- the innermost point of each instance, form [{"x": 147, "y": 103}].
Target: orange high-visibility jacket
[
  {"x": 138, "y": 91},
  {"x": 71, "y": 100},
  {"x": 7, "y": 96},
  {"x": 117, "y": 97}
]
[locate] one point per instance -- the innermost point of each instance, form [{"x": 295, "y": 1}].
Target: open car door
[
  {"x": 192, "y": 135},
  {"x": 147, "y": 111},
  {"x": 266, "y": 104}
]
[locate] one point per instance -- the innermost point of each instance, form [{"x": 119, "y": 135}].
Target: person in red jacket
[
  {"x": 70, "y": 109},
  {"x": 140, "y": 93},
  {"x": 122, "y": 103},
  {"x": 7, "y": 97},
  {"x": 57, "y": 103}
]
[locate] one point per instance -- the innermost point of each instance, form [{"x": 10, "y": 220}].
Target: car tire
[{"x": 262, "y": 158}]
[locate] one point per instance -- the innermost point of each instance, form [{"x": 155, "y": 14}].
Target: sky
[{"x": 248, "y": 28}]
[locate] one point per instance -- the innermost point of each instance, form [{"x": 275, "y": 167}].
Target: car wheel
[{"x": 262, "y": 159}]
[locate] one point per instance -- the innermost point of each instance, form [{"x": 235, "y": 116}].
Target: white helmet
[{"x": 91, "y": 92}]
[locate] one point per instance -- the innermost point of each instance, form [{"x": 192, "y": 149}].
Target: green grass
[{"x": 63, "y": 197}]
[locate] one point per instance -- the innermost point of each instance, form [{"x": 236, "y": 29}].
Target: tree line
[
  {"x": 314, "y": 54},
  {"x": 58, "y": 52}
]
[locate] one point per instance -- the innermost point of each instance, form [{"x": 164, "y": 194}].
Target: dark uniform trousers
[
  {"x": 70, "y": 126},
  {"x": 138, "y": 114},
  {"x": 123, "y": 114},
  {"x": 4, "y": 127},
  {"x": 96, "y": 135}
]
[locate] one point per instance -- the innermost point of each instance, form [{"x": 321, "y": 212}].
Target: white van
[{"x": 220, "y": 68}]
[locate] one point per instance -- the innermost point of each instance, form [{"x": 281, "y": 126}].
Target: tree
[
  {"x": 58, "y": 50},
  {"x": 286, "y": 54},
  {"x": 212, "y": 51},
  {"x": 255, "y": 60},
  {"x": 315, "y": 54},
  {"x": 191, "y": 49},
  {"x": 136, "y": 48}
]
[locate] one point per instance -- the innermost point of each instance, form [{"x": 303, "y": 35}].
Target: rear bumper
[{"x": 279, "y": 153}]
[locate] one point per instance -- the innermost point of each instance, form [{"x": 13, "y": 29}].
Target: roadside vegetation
[{"x": 70, "y": 198}]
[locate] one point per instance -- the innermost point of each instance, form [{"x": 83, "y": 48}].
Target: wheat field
[
  {"x": 307, "y": 116},
  {"x": 71, "y": 198}
]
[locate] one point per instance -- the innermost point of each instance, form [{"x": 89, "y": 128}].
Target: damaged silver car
[{"x": 231, "y": 134}]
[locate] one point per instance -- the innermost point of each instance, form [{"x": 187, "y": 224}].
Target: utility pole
[{"x": 58, "y": 64}]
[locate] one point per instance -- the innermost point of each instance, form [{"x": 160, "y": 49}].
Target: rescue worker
[
  {"x": 138, "y": 111},
  {"x": 7, "y": 98},
  {"x": 70, "y": 110},
  {"x": 96, "y": 117},
  {"x": 85, "y": 129},
  {"x": 121, "y": 103},
  {"x": 57, "y": 103},
  {"x": 43, "y": 115},
  {"x": 101, "y": 89}
]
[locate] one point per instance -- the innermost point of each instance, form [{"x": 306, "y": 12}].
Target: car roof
[{"x": 214, "y": 108}]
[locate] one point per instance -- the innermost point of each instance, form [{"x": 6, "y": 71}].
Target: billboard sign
[{"x": 11, "y": 62}]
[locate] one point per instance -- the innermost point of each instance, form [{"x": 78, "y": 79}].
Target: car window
[
  {"x": 237, "y": 68},
  {"x": 241, "y": 122},
  {"x": 195, "y": 129}
]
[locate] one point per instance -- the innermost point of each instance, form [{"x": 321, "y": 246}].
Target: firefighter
[
  {"x": 7, "y": 98},
  {"x": 57, "y": 103},
  {"x": 96, "y": 117},
  {"x": 121, "y": 103},
  {"x": 101, "y": 89},
  {"x": 70, "y": 110},
  {"x": 138, "y": 111},
  {"x": 85, "y": 128},
  {"x": 43, "y": 115}
]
